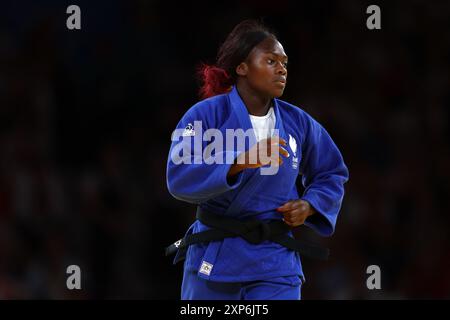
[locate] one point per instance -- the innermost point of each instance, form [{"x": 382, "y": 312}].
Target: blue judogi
[
  {"x": 313, "y": 155},
  {"x": 277, "y": 288}
]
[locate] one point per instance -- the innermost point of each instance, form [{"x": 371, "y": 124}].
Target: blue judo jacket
[{"x": 313, "y": 157}]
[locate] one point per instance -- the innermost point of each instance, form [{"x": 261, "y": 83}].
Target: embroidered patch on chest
[
  {"x": 189, "y": 131},
  {"x": 293, "y": 146}
]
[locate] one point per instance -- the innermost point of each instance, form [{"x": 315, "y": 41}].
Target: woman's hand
[
  {"x": 265, "y": 152},
  {"x": 295, "y": 212}
]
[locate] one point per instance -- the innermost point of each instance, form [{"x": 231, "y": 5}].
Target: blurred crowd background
[{"x": 86, "y": 118}]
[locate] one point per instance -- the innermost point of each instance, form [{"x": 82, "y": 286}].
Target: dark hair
[{"x": 219, "y": 78}]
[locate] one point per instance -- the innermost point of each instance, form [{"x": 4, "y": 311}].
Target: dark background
[{"x": 86, "y": 117}]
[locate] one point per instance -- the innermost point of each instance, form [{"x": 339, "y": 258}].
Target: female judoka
[{"x": 241, "y": 245}]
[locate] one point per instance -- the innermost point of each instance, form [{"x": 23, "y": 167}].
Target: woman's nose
[{"x": 282, "y": 69}]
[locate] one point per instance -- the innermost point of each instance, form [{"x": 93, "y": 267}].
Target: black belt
[{"x": 254, "y": 231}]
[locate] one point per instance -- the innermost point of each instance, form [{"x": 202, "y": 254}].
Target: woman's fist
[
  {"x": 295, "y": 212},
  {"x": 265, "y": 152}
]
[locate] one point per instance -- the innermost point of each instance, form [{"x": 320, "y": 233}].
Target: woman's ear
[{"x": 242, "y": 69}]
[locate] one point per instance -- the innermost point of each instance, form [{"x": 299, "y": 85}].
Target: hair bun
[{"x": 215, "y": 80}]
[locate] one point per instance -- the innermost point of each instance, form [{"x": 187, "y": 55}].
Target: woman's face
[{"x": 266, "y": 68}]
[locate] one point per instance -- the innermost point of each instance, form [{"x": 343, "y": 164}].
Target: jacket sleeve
[
  {"x": 192, "y": 176},
  {"x": 323, "y": 175}
]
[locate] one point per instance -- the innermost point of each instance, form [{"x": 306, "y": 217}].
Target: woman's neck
[{"x": 255, "y": 103}]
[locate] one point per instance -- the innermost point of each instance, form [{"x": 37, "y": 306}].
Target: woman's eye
[
  {"x": 270, "y": 61},
  {"x": 285, "y": 64}
]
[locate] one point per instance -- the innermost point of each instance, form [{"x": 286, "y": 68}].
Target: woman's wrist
[
  {"x": 235, "y": 169},
  {"x": 311, "y": 210}
]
